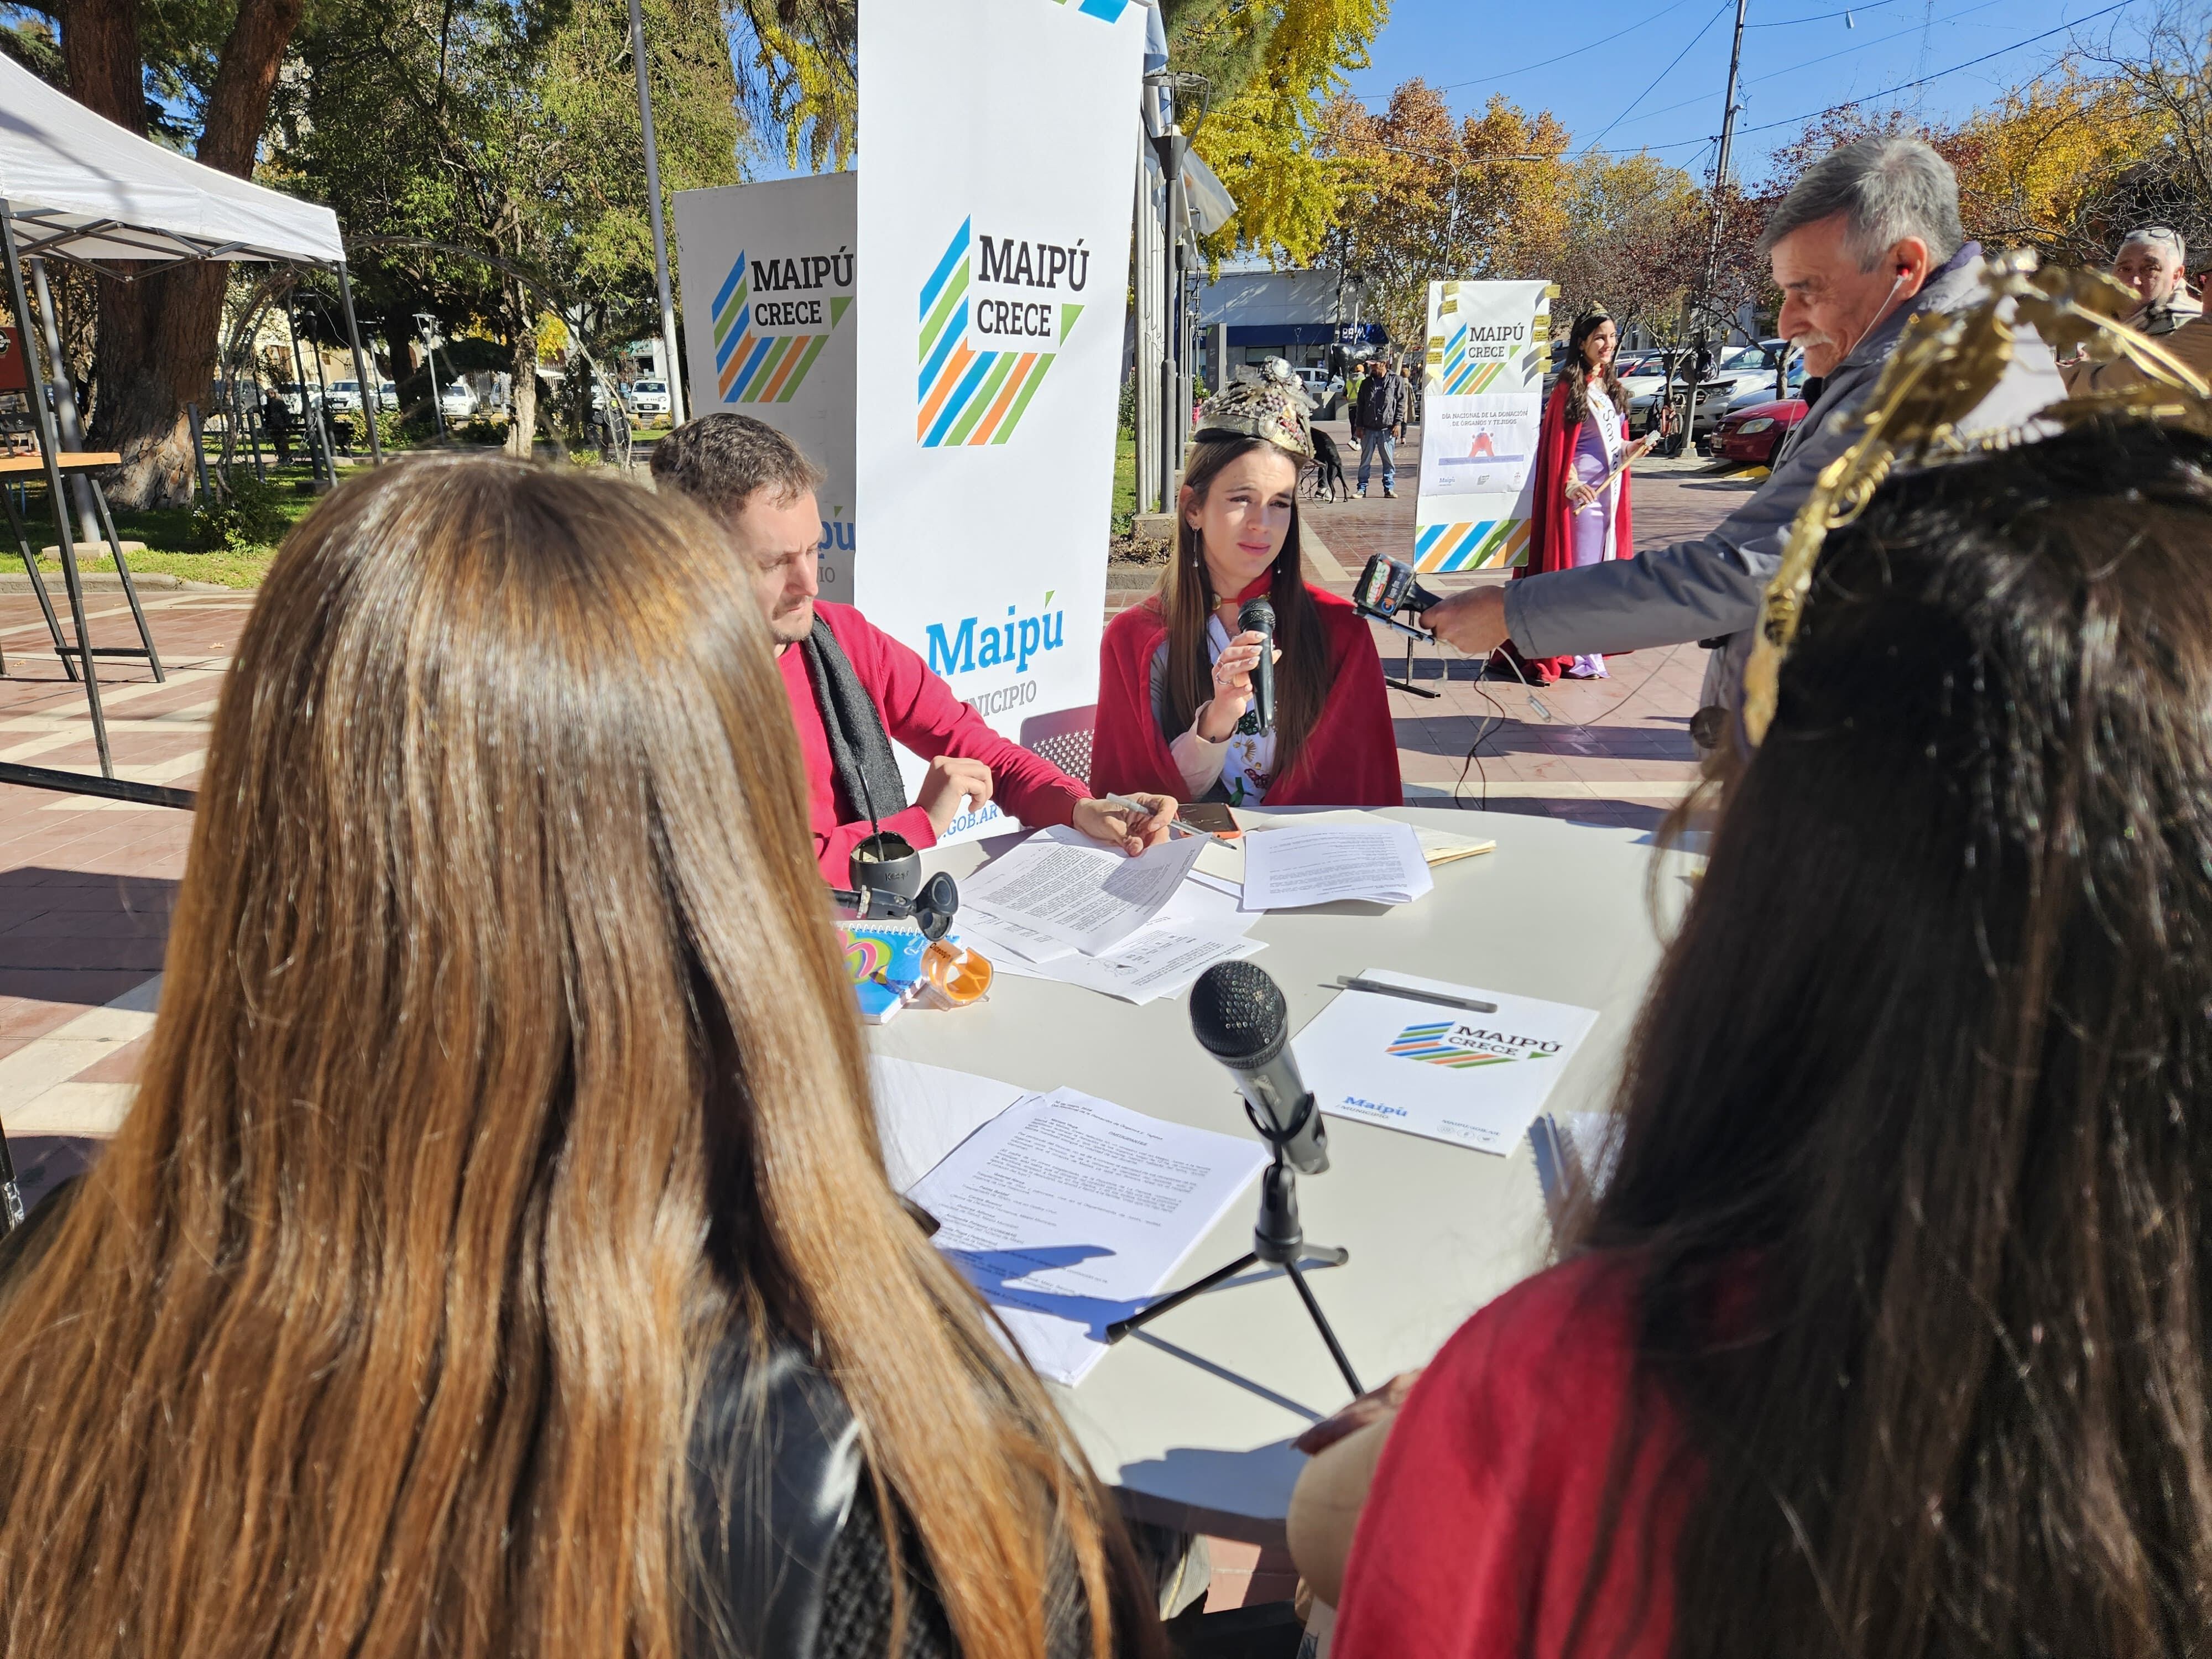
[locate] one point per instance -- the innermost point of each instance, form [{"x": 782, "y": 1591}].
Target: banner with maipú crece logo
[
  {"x": 1482, "y": 408},
  {"x": 770, "y": 278},
  {"x": 998, "y": 151}
]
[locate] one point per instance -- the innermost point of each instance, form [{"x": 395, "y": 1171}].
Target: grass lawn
[
  {"x": 171, "y": 547},
  {"x": 1124, "y": 482}
]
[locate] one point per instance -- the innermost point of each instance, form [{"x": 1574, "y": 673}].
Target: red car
[{"x": 1754, "y": 434}]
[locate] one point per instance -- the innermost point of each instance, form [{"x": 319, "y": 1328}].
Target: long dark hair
[
  {"x": 1916, "y": 1161},
  {"x": 1187, "y": 599},
  {"x": 1575, "y": 375}
]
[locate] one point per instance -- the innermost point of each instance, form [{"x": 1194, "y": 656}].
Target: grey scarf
[{"x": 860, "y": 756}]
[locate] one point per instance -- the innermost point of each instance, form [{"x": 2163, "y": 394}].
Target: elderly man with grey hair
[{"x": 1866, "y": 239}]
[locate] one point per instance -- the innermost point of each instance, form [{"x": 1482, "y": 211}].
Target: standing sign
[
  {"x": 999, "y": 139},
  {"x": 1482, "y": 411},
  {"x": 768, "y": 326}
]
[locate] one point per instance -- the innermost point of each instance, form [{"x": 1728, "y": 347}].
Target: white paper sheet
[
  {"x": 1000, "y": 938},
  {"x": 922, "y": 1112},
  {"x": 1471, "y": 1079},
  {"x": 1320, "y": 864},
  {"x": 1161, "y": 961},
  {"x": 1069, "y": 1212},
  {"x": 1064, "y": 885}
]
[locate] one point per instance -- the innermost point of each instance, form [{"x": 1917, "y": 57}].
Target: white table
[{"x": 1191, "y": 1419}]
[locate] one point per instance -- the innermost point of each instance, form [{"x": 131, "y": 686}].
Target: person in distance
[
  {"x": 1886, "y": 1334},
  {"x": 1175, "y": 691},
  {"x": 852, "y": 688},
  {"x": 497, "y": 1258}
]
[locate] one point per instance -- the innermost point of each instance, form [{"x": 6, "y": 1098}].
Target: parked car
[
  {"x": 345, "y": 398},
  {"x": 292, "y": 395},
  {"x": 387, "y": 395},
  {"x": 1325, "y": 389},
  {"x": 1753, "y": 435},
  {"x": 457, "y": 402},
  {"x": 647, "y": 398}
]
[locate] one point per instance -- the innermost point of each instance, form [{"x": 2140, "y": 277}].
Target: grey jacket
[{"x": 1712, "y": 586}]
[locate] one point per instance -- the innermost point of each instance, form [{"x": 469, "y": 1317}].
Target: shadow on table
[
  {"x": 998, "y": 1273},
  {"x": 1204, "y": 1489}
]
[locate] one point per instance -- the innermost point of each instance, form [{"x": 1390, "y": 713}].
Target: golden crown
[{"x": 1943, "y": 367}]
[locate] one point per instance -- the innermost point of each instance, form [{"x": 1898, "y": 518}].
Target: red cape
[
  {"x": 1552, "y": 529},
  {"x": 1350, "y": 760}
]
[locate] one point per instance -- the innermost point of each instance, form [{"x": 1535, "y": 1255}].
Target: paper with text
[
  {"x": 1063, "y": 885},
  {"x": 1068, "y": 1213},
  {"x": 1320, "y": 864}
]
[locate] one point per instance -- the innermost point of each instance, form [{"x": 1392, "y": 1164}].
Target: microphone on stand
[
  {"x": 1258, "y": 617},
  {"x": 1238, "y": 1015}
]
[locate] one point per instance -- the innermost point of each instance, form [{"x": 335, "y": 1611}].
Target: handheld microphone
[
  {"x": 1238, "y": 1015},
  {"x": 1386, "y": 586},
  {"x": 1258, "y": 617}
]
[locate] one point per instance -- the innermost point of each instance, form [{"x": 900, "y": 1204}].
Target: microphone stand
[{"x": 1279, "y": 1240}]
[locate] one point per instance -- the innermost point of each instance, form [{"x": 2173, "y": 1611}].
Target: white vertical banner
[
  {"x": 770, "y": 330},
  {"x": 1482, "y": 410},
  {"x": 998, "y": 148}
]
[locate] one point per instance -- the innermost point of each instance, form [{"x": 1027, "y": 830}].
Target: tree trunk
[
  {"x": 522, "y": 400},
  {"x": 157, "y": 345}
]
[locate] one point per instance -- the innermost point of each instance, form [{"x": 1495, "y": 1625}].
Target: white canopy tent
[
  {"x": 75, "y": 186},
  {"x": 81, "y": 188}
]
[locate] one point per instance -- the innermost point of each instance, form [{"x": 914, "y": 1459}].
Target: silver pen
[
  {"x": 1439, "y": 998},
  {"x": 1129, "y": 805}
]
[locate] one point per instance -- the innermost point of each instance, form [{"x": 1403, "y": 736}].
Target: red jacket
[
  {"x": 1552, "y": 525},
  {"x": 1487, "y": 1506},
  {"x": 1350, "y": 760},
  {"x": 919, "y": 711}
]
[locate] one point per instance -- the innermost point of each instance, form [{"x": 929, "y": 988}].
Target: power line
[
  {"x": 1718, "y": 12},
  {"x": 1907, "y": 86},
  {"x": 1863, "y": 46},
  {"x": 1826, "y": 17}
]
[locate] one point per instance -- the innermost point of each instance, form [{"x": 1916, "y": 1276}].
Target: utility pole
[
  {"x": 674, "y": 369},
  {"x": 1721, "y": 161}
]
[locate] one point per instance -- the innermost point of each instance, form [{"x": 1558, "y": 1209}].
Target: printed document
[
  {"x": 1061, "y": 884},
  {"x": 1160, "y": 961},
  {"x": 1317, "y": 863},
  {"x": 1069, "y": 1212},
  {"x": 922, "y": 1112},
  {"x": 1474, "y": 1079}
]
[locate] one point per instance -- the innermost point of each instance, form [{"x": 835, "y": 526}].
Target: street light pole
[{"x": 674, "y": 375}]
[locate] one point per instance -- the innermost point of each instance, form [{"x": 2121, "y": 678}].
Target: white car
[
  {"x": 647, "y": 398},
  {"x": 1323, "y": 388},
  {"x": 387, "y": 395},
  {"x": 345, "y": 398},
  {"x": 457, "y": 402}
]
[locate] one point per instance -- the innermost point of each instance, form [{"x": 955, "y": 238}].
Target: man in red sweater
[{"x": 854, "y": 688}]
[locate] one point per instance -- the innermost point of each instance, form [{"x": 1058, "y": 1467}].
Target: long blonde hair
[{"x": 502, "y": 1003}]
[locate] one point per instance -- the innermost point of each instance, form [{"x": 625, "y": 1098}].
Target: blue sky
[{"x": 1799, "y": 56}]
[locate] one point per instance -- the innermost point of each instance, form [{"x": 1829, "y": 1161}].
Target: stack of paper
[
  {"x": 1476, "y": 1077},
  {"x": 1320, "y": 864},
  {"x": 1221, "y": 863},
  {"x": 1045, "y": 920},
  {"x": 1070, "y": 1212}
]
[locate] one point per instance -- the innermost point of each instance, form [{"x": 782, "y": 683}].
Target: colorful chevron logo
[
  {"x": 1428, "y": 1045},
  {"x": 1106, "y": 10},
  {"x": 755, "y": 365},
  {"x": 1488, "y": 544},
  {"x": 962, "y": 396}
]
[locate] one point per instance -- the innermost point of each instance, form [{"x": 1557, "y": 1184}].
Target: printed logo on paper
[
  {"x": 771, "y": 320},
  {"x": 1108, "y": 11},
  {"x": 1460, "y": 1047},
  {"x": 993, "y": 316}
]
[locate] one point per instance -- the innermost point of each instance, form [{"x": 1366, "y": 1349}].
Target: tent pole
[
  {"x": 318, "y": 461},
  {"x": 50, "y": 440},
  {"x": 66, "y": 413},
  {"x": 372, "y": 393}
]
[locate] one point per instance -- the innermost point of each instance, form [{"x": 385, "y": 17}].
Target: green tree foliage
[{"x": 1273, "y": 68}]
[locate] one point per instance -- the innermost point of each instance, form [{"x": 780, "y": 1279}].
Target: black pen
[{"x": 1439, "y": 998}]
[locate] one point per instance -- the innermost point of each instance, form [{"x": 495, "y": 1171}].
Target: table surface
[
  {"x": 1191, "y": 1419},
  {"x": 70, "y": 461}
]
